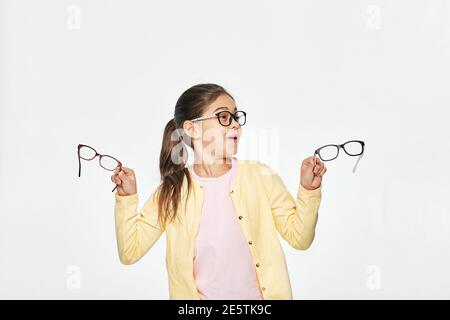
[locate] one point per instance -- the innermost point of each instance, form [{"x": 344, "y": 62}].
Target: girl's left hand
[{"x": 310, "y": 174}]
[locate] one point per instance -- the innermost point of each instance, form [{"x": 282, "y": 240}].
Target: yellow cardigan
[{"x": 263, "y": 205}]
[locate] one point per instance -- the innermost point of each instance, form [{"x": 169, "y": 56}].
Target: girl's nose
[{"x": 234, "y": 123}]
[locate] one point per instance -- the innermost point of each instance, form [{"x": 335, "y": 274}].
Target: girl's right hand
[{"x": 126, "y": 180}]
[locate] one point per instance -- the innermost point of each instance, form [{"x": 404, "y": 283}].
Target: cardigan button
[
  {"x": 257, "y": 265},
  {"x": 250, "y": 242},
  {"x": 263, "y": 288},
  {"x": 240, "y": 217},
  {"x": 231, "y": 191}
]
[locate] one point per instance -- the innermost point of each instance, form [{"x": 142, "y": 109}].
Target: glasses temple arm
[
  {"x": 356, "y": 164},
  {"x": 79, "y": 166}
]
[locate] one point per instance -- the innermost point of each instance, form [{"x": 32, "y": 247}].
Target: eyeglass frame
[
  {"x": 339, "y": 146},
  {"x": 233, "y": 115},
  {"x": 99, "y": 160}
]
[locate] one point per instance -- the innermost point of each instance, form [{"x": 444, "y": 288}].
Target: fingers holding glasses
[
  {"x": 126, "y": 180},
  {"x": 318, "y": 166},
  {"x": 115, "y": 177},
  {"x": 322, "y": 171},
  {"x": 119, "y": 173},
  {"x": 309, "y": 163}
]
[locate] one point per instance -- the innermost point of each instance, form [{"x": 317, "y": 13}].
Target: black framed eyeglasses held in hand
[{"x": 331, "y": 151}]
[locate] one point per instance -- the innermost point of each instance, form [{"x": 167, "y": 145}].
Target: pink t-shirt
[{"x": 223, "y": 264}]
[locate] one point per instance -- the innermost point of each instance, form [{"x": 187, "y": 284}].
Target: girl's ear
[{"x": 191, "y": 130}]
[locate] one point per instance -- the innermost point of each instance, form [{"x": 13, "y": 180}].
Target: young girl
[{"x": 220, "y": 214}]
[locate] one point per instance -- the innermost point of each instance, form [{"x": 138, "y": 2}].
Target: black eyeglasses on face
[
  {"x": 107, "y": 162},
  {"x": 331, "y": 151},
  {"x": 225, "y": 117}
]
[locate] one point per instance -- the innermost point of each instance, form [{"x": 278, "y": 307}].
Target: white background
[{"x": 308, "y": 73}]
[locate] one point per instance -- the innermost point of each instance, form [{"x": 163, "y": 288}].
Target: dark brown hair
[{"x": 191, "y": 104}]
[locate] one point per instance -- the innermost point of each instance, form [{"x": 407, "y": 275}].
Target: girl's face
[{"x": 212, "y": 140}]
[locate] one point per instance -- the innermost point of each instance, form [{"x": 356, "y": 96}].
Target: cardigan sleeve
[
  {"x": 295, "y": 220},
  {"x": 136, "y": 232}
]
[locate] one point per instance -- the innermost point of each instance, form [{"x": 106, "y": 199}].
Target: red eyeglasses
[{"x": 106, "y": 162}]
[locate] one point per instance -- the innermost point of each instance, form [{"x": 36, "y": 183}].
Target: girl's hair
[{"x": 173, "y": 157}]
